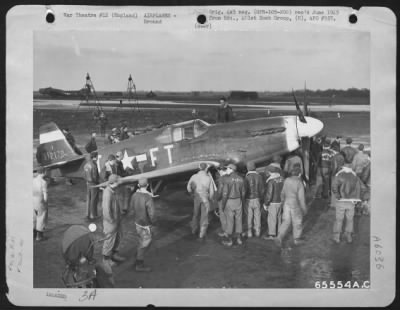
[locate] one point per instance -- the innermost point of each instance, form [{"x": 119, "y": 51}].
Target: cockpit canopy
[{"x": 183, "y": 131}]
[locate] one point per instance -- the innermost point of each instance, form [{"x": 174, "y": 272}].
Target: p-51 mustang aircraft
[{"x": 180, "y": 148}]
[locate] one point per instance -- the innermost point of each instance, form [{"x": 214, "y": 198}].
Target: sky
[{"x": 202, "y": 61}]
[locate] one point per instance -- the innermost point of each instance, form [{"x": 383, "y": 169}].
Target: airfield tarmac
[{"x": 177, "y": 260}]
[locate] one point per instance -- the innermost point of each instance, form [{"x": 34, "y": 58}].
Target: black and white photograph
[{"x": 201, "y": 159}]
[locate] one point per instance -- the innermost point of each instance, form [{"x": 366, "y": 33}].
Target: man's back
[
  {"x": 144, "y": 208},
  {"x": 293, "y": 192}
]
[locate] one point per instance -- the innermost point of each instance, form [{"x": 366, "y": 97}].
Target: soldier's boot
[
  {"x": 228, "y": 241},
  {"x": 39, "y": 235},
  {"x": 336, "y": 238},
  {"x": 140, "y": 267},
  {"x": 349, "y": 238},
  {"x": 118, "y": 258}
]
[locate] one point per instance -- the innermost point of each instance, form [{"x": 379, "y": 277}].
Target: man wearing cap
[
  {"x": 315, "y": 154},
  {"x": 293, "y": 158},
  {"x": 349, "y": 191},
  {"x": 110, "y": 166},
  {"x": 360, "y": 160},
  {"x": 40, "y": 205},
  {"x": 202, "y": 186},
  {"x": 143, "y": 205},
  {"x": 92, "y": 179},
  {"x": 294, "y": 206},
  {"x": 349, "y": 151},
  {"x": 325, "y": 168},
  {"x": 111, "y": 223},
  {"x": 336, "y": 143},
  {"x": 273, "y": 202},
  {"x": 91, "y": 146},
  {"x": 337, "y": 162},
  {"x": 121, "y": 192},
  {"x": 274, "y": 165},
  {"x": 233, "y": 199},
  {"x": 254, "y": 189},
  {"x": 221, "y": 214}
]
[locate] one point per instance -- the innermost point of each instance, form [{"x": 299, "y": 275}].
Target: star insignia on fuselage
[{"x": 127, "y": 160}]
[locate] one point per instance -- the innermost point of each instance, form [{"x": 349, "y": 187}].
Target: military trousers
[
  {"x": 274, "y": 219},
  {"x": 326, "y": 181},
  {"x": 344, "y": 210},
  {"x": 292, "y": 217},
  {"x": 145, "y": 238},
  {"x": 222, "y": 216},
  {"x": 200, "y": 215},
  {"x": 113, "y": 236},
  {"x": 233, "y": 212},
  {"x": 252, "y": 216},
  {"x": 92, "y": 200}
]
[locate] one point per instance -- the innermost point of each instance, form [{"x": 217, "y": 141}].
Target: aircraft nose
[{"x": 309, "y": 129}]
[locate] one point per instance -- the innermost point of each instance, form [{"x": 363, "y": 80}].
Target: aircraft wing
[{"x": 159, "y": 173}]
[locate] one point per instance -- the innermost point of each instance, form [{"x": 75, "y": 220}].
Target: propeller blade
[
  {"x": 305, "y": 103},
  {"x": 305, "y": 148},
  {"x": 300, "y": 114}
]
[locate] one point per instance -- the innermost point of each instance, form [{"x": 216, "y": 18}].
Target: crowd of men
[{"x": 341, "y": 176}]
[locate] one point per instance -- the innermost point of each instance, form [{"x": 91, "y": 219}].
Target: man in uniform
[
  {"x": 337, "y": 162},
  {"x": 92, "y": 179},
  {"x": 122, "y": 192},
  {"x": 103, "y": 123},
  {"x": 360, "y": 160},
  {"x": 143, "y": 205},
  {"x": 110, "y": 166},
  {"x": 254, "y": 189},
  {"x": 294, "y": 158},
  {"x": 349, "y": 191},
  {"x": 221, "y": 214},
  {"x": 273, "y": 202},
  {"x": 201, "y": 186},
  {"x": 111, "y": 223},
  {"x": 336, "y": 143},
  {"x": 40, "y": 205},
  {"x": 233, "y": 199},
  {"x": 91, "y": 146},
  {"x": 325, "y": 168},
  {"x": 294, "y": 206},
  {"x": 349, "y": 151},
  {"x": 71, "y": 140}
]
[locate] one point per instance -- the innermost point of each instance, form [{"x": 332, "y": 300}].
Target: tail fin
[{"x": 54, "y": 148}]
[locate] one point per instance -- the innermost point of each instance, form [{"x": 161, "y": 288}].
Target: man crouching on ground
[{"x": 143, "y": 204}]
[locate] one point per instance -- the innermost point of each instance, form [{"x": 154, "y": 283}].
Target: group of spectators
[{"x": 241, "y": 199}]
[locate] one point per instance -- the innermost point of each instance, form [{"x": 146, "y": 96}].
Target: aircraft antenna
[{"x": 132, "y": 96}]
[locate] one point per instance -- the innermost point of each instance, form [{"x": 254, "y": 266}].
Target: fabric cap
[
  {"x": 232, "y": 166},
  {"x": 276, "y": 159},
  {"x": 111, "y": 157},
  {"x": 143, "y": 182},
  {"x": 273, "y": 169},
  {"x": 361, "y": 147},
  {"x": 327, "y": 143},
  {"x": 349, "y": 140},
  {"x": 93, "y": 154},
  {"x": 250, "y": 166},
  {"x": 113, "y": 179},
  {"x": 203, "y": 166}
]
